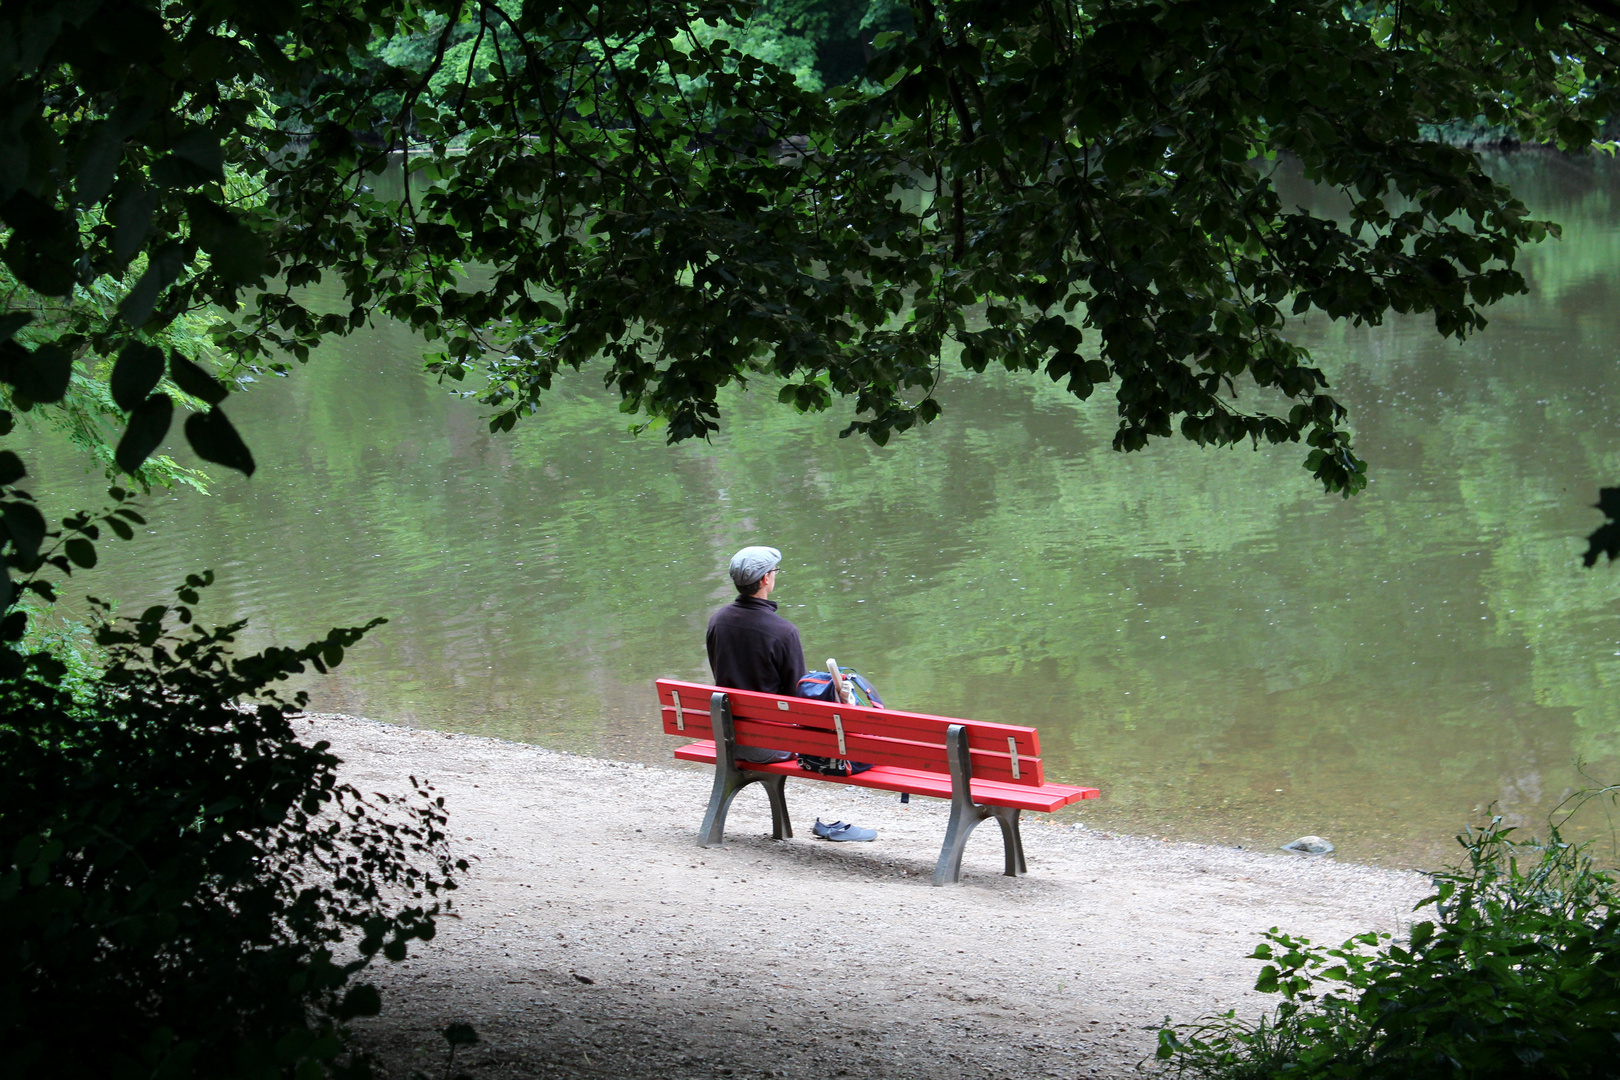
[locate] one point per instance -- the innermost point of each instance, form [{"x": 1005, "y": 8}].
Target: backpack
[{"x": 818, "y": 686}]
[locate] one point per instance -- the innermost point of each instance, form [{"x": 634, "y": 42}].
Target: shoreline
[{"x": 593, "y": 937}]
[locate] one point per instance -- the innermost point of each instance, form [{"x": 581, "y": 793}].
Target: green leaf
[
  {"x": 234, "y": 250},
  {"x": 214, "y": 439},
  {"x": 460, "y": 1035},
  {"x": 81, "y": 551},
  {"x": 98, "y": 159},
  {"x": 147, "y": 426},
  {"x": 11, "y": 468},
  {"x": 131, "y": 216},
  {"x": 27, "y": 528},
  {"x": 1605, "y": 540},
  {"x": 101, "y": 152},
  {"x": 362, "y": 1000},
  {"x": 164, "y": 267},
  {"x": 194, "y": 380},
  {"x": 40, "y": 375},
  {"x": 135, "y": 374},
  {"x": 12, "y": 322},
  {"x": 44, "y": 247},
  {"x": 195, "y": 158}
]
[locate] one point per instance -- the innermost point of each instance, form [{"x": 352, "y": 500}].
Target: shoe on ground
[{"x": 843, "y": 832}]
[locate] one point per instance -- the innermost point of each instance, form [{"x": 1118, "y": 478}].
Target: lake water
[{"x": 1226, "y": 652}]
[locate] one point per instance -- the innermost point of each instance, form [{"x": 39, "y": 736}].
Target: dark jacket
[{"x": 751, "y": 647}]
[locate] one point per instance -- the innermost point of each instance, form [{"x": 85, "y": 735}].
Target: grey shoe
[{"x": 843, "y": 832}]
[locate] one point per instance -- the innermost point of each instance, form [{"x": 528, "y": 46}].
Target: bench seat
[{"x": 1044, "y": 799}]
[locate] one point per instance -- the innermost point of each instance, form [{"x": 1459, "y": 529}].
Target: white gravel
[{"x": 806, "y": 958}]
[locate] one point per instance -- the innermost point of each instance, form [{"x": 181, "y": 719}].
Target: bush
[
  {"x": 1517, "y": 975},
  {"x": 179, "y": 874}
]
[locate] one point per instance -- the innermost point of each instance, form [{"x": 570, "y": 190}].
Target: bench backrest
[{"x": 1005, "y": 752}]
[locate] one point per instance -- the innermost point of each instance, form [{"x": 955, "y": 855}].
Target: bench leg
[
  {"x": 725, "y": 789},
  {"x": 729, "y": 779},
  {"x": 776, "y": 790},
  {"x": 965, "y": 817},
  {"x": 726, "y": 785},
  {"x": 1012, "y": 841}
]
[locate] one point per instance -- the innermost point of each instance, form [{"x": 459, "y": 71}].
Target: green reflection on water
[{"x": 1228, "y": 654}]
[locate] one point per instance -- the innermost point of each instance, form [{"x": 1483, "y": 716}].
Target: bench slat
[
  {"x": 924, "y": 734},
  {"x": 877, "y": 750},
  {"x": 1046, "y": 798},
  {"x": 981, "y": 734}
]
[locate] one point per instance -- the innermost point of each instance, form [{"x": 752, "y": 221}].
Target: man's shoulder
[
  {"x": 780, "y": 627},
  {"x": 757, "y": 615}
]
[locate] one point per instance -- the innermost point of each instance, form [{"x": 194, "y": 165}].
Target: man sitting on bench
[{"x": 751, "y": 647}]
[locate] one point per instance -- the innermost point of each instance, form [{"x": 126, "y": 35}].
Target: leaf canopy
[{"x": 1078, "y": 189}]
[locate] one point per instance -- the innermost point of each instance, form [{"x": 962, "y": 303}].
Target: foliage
[
  {"x": 1517, "y": 975},
  {"x": 823, "y": 43},
  {"x": 178, "y": 873},
  {"x": 455, "y": 1035},
  {"x": 181, "y": 875},
  {"x": 72, "y": 644},
  {"x": 87, "y": 413},
  {"x": 644, "y": 195},
  {"x": 1605, "y": 539}
]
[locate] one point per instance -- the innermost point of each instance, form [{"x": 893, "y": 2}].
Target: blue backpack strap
[{"x": 863, "y": 686}]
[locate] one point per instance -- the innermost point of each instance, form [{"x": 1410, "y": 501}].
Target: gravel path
[{"x": 595, "y": 938}]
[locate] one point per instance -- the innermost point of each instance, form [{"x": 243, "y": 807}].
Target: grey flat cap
[{"x": 752, "y": 563}]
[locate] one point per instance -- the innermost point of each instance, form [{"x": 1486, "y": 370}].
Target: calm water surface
[{"x": 1227, "y": 653}]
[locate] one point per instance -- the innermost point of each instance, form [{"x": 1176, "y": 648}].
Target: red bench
[{"x": 985, "y": 770}]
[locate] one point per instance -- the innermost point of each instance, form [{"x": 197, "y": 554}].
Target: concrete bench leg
[
  {"x": 729, "y": 779},
  {"x": 966, "y": 815}
]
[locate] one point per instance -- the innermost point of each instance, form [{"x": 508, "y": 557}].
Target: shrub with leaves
[
  {"x": 1518, "y": 975},
  {"x": 186, "y": 889}
]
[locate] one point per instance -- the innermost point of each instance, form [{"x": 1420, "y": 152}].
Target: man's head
[{"x": 753, "y": 570}]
